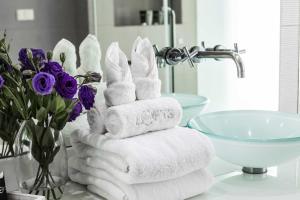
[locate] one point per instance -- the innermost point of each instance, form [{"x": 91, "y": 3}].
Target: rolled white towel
[
  {"x": 142, "y": 116},
  {"x": 152, "y": 157},
  {"x": 95, "y": 116},
  {"x": 90, "y": 55},
  {"x": 111, "y": 188},
  {"x": 120, "y": 87},
  {"x": 68, "y": 48},
  {"x": 144, "y": 70}
]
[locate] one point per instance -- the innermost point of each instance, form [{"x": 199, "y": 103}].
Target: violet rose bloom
[
  {"x": 66, "y": 85},
  {"x": 37, "y": 54},
  {"x": 1, "y": 81},
  {"x": 87, "y": 96},
  {"x": 43, "y": 83},
  {"x": 53, "y": 68},
  {"x": 75, "y": 112}
]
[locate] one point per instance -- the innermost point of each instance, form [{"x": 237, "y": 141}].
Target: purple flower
[
  {"x": 1, "y": 81},
  {"x": 53, "y": 68},
  {"x": 6, "y": 65},
  {"x": 43, "y": 83},
  {"x": 87, "y": 96},
  {"x": 37, "y": 54},
  {"x": 66, "y": 85},
  {"x": 75, "y": 112}
]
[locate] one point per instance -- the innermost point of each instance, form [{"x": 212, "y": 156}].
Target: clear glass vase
[
  {"x": 41, "y": 160},
  {"x": 9, "y": 127}
]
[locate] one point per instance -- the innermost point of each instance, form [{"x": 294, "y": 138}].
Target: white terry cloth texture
[
  {"x": 142, "y": 116},
  {"x": 68, "y": 48},
  {"x": 90, "y": 55},
  {"x": 95, "y": 116},
  {"x": 111, "y": 188},
  {"x": 152, "y": 157},
  {"x": 144, "y": 70},
  {"x": 85, "y": 120},
  {"x": 120, "y": 87}
]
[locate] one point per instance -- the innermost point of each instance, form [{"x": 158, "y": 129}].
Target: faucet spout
[
  {"x": 173, "y": 55},
  {"x": 239, "y": 65},
  {"x": 220, "y": 54}
]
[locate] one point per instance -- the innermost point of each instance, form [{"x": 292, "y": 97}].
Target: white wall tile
[
  {"x": 289, "y": 59},
  {"x": 289, "y": 12}
]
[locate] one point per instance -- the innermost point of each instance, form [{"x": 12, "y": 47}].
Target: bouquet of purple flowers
[{"x": 41, "y": 96}]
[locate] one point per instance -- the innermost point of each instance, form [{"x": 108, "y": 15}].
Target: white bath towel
[
  {"x": 111, "y": 188},
  {"x": 90, "y": 55},
  {"x": 144, "y": 70},
  {"x": 68, "y": 48},
  {"x": 120, "y": 87},
  {"x": 142, "y": 116},
  {"x": 152, "y": 157}
]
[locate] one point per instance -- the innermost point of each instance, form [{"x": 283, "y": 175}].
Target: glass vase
[
  {"x": 41, "y": 160},
  {"x": 9, "y": 127}
]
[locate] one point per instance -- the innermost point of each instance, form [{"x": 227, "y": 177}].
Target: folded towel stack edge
[{"x": 134, "y": 149}]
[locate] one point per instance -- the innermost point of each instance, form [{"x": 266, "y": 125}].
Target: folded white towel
[
  {"x": 144, "y": 70},
  {"x": 151, "y": 157},
  {"x": 90, "y": 55},
  {"x": 68, "y": 48},
  {"x": 120, "y": 87},
  {"x": 142, "y": 116},
  {"x": 111, "y": 188}
]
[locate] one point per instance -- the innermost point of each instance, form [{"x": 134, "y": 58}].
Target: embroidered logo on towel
[{"x": 149, "y": 117}]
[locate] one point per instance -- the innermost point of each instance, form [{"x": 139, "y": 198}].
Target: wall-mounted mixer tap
[{"x": 174, "y": 56}]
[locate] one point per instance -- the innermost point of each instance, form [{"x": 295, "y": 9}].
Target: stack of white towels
[{"x": 134, "y": 149}]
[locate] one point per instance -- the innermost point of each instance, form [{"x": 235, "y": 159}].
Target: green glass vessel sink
[
  {"x": 253, "y": 139},
  {"x": 192, "y": 105}
]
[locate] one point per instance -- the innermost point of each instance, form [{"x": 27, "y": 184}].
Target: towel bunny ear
[
  {"x": 120, "y": 87},
  {"x": 68, "y": 48},
  {"x": 144, "y": 70},
  {"x": 90, "y": 55}
]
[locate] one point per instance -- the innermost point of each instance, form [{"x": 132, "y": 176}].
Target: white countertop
[{"x": 280, "y": 183}]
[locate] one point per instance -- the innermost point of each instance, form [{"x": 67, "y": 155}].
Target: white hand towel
[
  {"x": 68, "y": 48},
  {"x": 144, "y": 70},
  {"x": 111, "y": 188},
  {"x": 120, "y": 87},
  {"x": 151, "y": 157},
  {"x": 90, "y": 55},
  {"x": 142, "y": 116}
]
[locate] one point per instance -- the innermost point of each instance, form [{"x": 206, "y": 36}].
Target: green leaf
[
  {"x": 41, "y": 114},
  {"x": 9, "y": 94},
  {"x": 58, "y": 104}
]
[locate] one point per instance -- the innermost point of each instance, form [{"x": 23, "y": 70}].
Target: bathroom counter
[{"x": 280, "y": 183}]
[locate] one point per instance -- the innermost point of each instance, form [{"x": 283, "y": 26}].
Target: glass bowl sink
[
  {"x": 192, "y": 105},
  {"x": 252, "y": 139}
]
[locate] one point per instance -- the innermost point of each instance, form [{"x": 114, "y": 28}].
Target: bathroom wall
[
  {"x": 54, "y": 19},
  {"x": 186, "y": 78},
  {"x": 289, "y": 56},
  {"x": 246, "y": 23}
]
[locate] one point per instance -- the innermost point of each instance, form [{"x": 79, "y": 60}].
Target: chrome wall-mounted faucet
[{"x": 173, "y": 56}]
